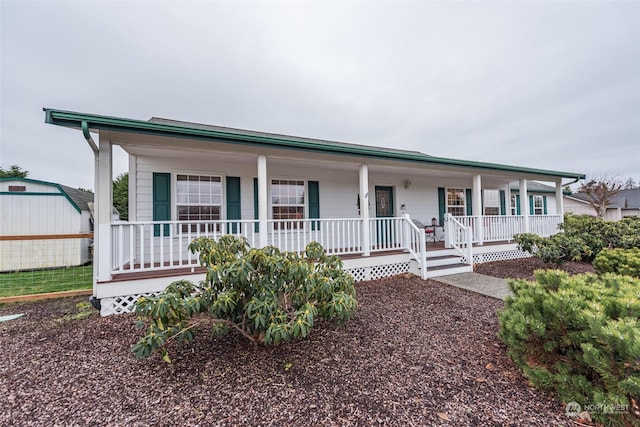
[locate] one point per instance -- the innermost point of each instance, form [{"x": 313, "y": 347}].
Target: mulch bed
[
  {"x": 417, "y": 353},
  {"x": 524, "y": 268}
]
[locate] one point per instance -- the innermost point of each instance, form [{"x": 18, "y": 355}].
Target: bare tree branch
[{"x": 599, "y": 192}]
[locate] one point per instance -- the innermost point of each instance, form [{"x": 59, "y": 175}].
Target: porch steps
[
  {"x": 442, "y": 263},
  {"x": 446, "y": 270}
]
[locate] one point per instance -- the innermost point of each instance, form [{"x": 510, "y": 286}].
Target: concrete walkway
[{"x": 475, "y": 282}]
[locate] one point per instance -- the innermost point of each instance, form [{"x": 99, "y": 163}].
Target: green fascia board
[
  {"x": 34, "y": 193},
  {"x": 75, "y": 120}
]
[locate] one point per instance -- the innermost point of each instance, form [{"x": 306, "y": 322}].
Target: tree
[
  {"x": 121, "y": 195},
  {"x": 631, "y": 184},
  {"x": 14, "y": 171},
  {"x": 599, "y": 193}
]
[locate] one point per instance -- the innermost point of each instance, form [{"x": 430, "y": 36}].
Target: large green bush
[
  {"x": 579, "y": 338},
  {"x": 557, "y": 248},
  {"x": 621, "y": 261},
  {"x": 266, "y": 295},
  {"x": 582, "y": 238}
]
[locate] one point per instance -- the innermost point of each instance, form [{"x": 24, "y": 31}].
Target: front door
[{"x": 384, "y": 209}]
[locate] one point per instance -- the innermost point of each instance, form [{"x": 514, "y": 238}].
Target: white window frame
[
  {"x": 486, "y": 200},
  {"x": 514, "y": 204},
  {"x": 178, "y": 204},
  {"x": 464, "y": 201},
  {"x": 536, "y": 198},
  {"x": 290, "y": 222}
]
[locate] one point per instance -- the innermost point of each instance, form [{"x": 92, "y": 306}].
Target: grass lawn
[{"x": 42, "y": 281}]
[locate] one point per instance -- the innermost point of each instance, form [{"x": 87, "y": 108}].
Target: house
[
  {"x": 360, "y": 202},
  {"x": 625, "y": 203},
  {"x": 43, "y": 225}
]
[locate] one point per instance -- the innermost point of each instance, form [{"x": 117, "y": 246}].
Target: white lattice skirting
[
  {"x": 497, "y": 256},
  {"x": 125, "y": 303},
  {"x": 378, "y": 271},
  {"x": 119, "y": 305}
]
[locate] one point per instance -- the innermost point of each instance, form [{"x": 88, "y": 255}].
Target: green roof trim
[
  {"x": 35, "y": 193},
  {"x": 193, "y": 131}
]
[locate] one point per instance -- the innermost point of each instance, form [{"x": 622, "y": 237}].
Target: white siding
[
  {"x": 39, "y": 214},
  {"x": 31, "y": 187},
  {"x": 338, "y": 186}
]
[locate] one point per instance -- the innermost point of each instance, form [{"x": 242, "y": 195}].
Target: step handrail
[
  {"x": 459, "y": 237},
  {"x": 416, "y": 244}
]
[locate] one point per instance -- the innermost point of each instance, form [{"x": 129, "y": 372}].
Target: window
[
  {"x": 199, "y": 198},
  {"x": 491, "y": 200},
  {"x": 514, "y": 205},
  {"x": 16, "y": 188},
  {"x": 456, "y": 202},
  {"x": 287, "y": 202},
  {"x": 538, "y": 205}
]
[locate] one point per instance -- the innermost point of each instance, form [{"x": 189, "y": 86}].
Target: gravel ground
[
  {"x": 417, "y": 353},
  {"x": 523, "y": 268}
]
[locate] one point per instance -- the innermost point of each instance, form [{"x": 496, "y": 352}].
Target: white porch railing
[
  {"x": 386, "y": 234},
  {"x": 544, "y": 225},
  {"x": 339, "y": 236},
  {"x": 496, "y": 228},
  {"x": 163, "y": 245},
  {"x": 160, "y": 245},
  {"x": 459, "y": 237},
  {"x": 416, "y": 244}
]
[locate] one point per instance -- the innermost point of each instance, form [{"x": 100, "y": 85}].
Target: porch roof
[{"x": 178, "y": 129}]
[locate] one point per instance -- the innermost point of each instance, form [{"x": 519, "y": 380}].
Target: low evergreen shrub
[
  {"x": 578, "y": 337},
  {"x": 621, "y": 261},
  {"x": 266, "y": 295}
]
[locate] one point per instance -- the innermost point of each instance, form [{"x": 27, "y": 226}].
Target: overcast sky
[{"x": 553, "y": 85}]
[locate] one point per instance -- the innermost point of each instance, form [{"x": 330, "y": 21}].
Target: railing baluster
[{"x": 170, "y": 245}]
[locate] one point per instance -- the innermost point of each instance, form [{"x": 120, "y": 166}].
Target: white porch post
[
  {"x": 559, "y": 199},
  {"x": 477, "y": 208},
  {"x": 133, "y": 184},
  {"x": 507, "y": 199},
  {"x": 524, "y": 203},
  {"x": 263, "y": 204},
  {"x": 364, "y": 209},
  {"x": 103, "y": 208}
]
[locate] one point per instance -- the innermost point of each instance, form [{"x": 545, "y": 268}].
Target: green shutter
[
  {"x": 161, "y": 201},
  {"x": 233, "y": 202},
  {"x": 441, "y": 205},
  {"x": 544, "y": 204},
  {"x": 530, "y": 205},
  {"x": 314, "y": 203},
  {"x": 468, "y": 201},
  {"x": 256, "y": 227},
  {"x": 518, "y": 211},
  {"x": 503, "y": 202}
]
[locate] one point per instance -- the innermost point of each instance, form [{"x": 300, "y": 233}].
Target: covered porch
[{"x": 163, "y": 245}]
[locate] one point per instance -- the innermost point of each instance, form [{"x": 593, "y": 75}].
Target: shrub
[
  {"x": 579, "y": 338},
  {"x": 266, "y": 295},
  {"x": 582, "y": 239},
  {"x": 621, "y": 261},
  {"x": 557, "y": 248}
]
